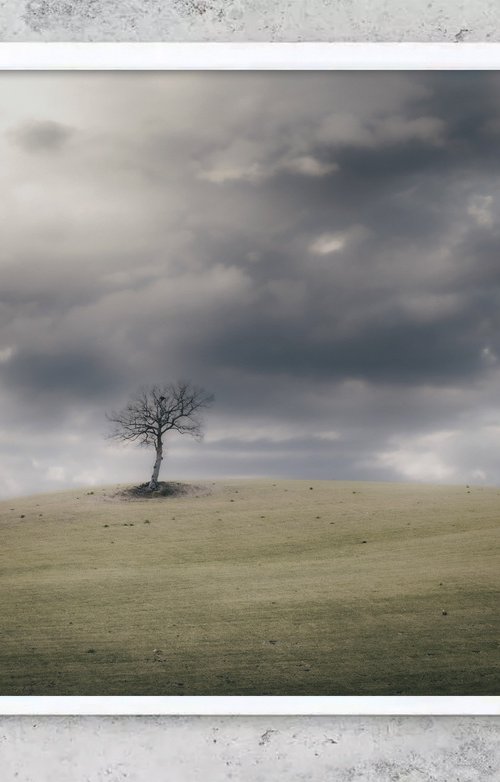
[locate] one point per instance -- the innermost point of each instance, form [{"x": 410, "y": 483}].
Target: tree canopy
[{"x": 156, "y": 410}]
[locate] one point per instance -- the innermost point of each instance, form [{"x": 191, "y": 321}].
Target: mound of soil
[{"x": 165, "y": 489}]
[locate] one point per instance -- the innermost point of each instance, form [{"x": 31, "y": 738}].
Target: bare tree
[{"x": 156, "y": 410}]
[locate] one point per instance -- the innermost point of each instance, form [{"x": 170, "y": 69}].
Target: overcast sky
[{"x": 320, "y": 250}]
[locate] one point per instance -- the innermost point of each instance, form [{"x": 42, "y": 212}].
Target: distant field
[{"x": 259, "y": 588}]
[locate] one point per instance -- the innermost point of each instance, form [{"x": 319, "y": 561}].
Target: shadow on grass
[{"x": 164, "y": 489}]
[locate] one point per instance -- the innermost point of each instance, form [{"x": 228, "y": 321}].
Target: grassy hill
[{"x": 259, "y": 587}]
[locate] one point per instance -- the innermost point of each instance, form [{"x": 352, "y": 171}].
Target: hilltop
[{"x": 252, "y": 587}]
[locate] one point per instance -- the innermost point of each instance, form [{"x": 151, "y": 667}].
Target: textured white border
[
  {"x": 250, "y": 56},
  {"x": 251, "y": 705},
  {"x": 254, "y": 56}
]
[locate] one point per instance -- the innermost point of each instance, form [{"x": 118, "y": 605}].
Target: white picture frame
[{"x": 240, "y": 57}]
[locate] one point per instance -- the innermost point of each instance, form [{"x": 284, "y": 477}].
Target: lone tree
[{"x": 156, "y": 410}]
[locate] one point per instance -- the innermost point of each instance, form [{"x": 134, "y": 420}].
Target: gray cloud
[
  {"x": 318, "y": 249},
  {"x": 41, "y": 135},
  {"x": 80, "y": 375}
]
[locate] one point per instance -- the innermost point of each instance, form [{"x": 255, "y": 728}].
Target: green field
[{"x": 257, "y": 588}]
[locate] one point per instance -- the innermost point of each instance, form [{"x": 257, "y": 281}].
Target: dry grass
[{"x": 259, "y": 587}]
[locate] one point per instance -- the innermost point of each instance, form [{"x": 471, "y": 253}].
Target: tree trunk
[{"x": 153, "y": 484}]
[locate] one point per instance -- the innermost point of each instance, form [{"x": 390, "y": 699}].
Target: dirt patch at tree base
[{"x": 164, "y": 489}]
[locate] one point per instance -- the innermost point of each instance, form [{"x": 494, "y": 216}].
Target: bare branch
[{"x": 156, "y": 410}]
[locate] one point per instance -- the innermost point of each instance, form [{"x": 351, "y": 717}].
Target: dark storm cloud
[
  {"x": 41, "y": 136},
  {"x": 320, "y": 250},
  {"x": 399, "y": 352},
  {"x": 394, "y": 345},
  {"x": 80, "y": 375}
]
